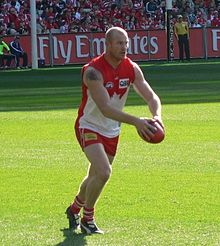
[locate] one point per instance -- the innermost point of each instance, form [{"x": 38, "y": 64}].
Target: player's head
[{"x": 117, "y": 41}]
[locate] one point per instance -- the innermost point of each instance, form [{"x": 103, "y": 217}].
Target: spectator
[
  {"x": 195, "y": 24},
  {"x": 51, "y": 24},
  {"x": 23, "y": 30},
  {"x": 60, "y": 6},
  {"x": 11, "y": 29},
  {"x": 138, "y": 5},
  {"x": 18, "y": 52},
  {"x": 211, "y": 15},
  {"x": 202, "y": 9},
  {"x": 151, "y": 7},
  {"x": 201, "y": 18},
  {"x": 190, "y": 4},
  {"x": 41, "y": 26},
  {"x": 144, "y": 24},
  {"x": 78, "y": 14},
  {"x": 215, "y": 22},
  {"x": 5, "y": 56},
  {"x": 16, "y": 5},
  {"x": 13, "y": 16},
  {"x": 190, "y": 15},
  {"x": 128, "y": 4},
  {"x": 64, "y": 28},
  {"x": 84, "y": 27},
  {"x": 211, "y": 4},
  {"x": 73, "y": 28},
  {"x": 3, "y": 28}
]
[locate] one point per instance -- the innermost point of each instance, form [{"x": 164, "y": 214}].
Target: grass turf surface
[
  {"x": 166, "y": 194},
  {"x": 60, "y": 88}
]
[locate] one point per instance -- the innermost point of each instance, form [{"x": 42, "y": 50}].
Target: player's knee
[{"x": 105, "y": 174}]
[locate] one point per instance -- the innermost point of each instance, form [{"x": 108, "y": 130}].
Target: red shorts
[{"x": 87, "y": 137}]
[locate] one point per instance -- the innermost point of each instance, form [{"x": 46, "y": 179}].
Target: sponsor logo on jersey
[
  {"x": 90, "y": 136},
  {"x": 109, "y": 85},
  {"x": 123, "y": 83}
]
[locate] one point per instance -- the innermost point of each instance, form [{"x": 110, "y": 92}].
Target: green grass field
[{"x": 165, "y": 194}]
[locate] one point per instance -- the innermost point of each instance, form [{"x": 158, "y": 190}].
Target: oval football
[{"x": 159, "y": 134}]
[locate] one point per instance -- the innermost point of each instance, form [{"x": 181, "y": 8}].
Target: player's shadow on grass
[{"x": 72, "y": 238}]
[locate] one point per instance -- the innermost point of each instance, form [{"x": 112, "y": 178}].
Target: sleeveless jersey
[{"x": 117, "y": 82}]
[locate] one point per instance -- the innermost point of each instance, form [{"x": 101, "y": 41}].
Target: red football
[{"x": 158, "y": 135}]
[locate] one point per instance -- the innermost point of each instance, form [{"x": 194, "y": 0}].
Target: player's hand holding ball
[
  {"x": 159, "y": 134},
  {"x": 153, "y": 132}
]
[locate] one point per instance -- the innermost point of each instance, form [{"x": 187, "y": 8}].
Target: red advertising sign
[
  {"x": 213, "y": 42},
  {"x": 196, "y": 42},
  {"x": 79, "y": 48}
]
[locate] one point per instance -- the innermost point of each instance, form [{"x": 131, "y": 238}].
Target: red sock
[
  {"x": 77, "y": 205},
  {"x": 88, "y": 214}
]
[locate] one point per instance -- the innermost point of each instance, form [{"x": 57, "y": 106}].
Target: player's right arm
[{"x": 94, "y": 81}]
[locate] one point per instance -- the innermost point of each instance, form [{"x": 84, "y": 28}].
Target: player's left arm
[{"x": 142, "y": 87}]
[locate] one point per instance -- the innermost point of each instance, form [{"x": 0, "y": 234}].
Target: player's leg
[
  {"x": 90, "y": 174},
  {"x": 82, "y": 190},
  {"x": 100, "y": 152},
  {"x": 100, "y": 173},
  {"x": 79, "y": 201},
  {"x": 108, "y": 147}
]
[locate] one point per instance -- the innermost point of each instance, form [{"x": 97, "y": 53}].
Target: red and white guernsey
[{"x": 117, "y": 82}]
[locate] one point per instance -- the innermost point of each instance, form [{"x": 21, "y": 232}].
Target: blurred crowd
[{"x": 69, "y": 16}]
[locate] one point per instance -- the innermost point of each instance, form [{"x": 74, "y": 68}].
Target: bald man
[{"x": 105, "y": 85}]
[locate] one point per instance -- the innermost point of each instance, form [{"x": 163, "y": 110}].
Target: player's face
[{"x": 119, "y": 46}]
